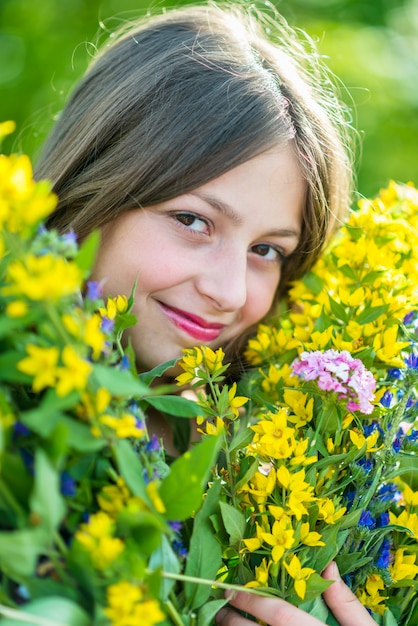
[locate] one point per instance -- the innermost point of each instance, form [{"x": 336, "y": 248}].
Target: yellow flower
[
  {"x": 93, "y": 336},
  {"x": 403, "y": 566},
  {"x": 18, "y": 308},
  {"x": 7, "y": 128},
  {"x": 154, "y": 496},
  {"x": 42, "y": 365},
  {"x": 409, "y": 520},
  {"x": 327, "y": 511},
  {"x": 310, "y": 538},
  {"x": 96, "y": 536},
  {"x": 299, "y": 574},
  {"x": 388, "y": 349},
  {"x": 124, "y": 426},
  {"x": 359, "y": 440},
  {"x": 235, "y": 402},
  {"x": 113, "y": 498},
  {"x": 281, "y": 538},
  {"x": 274, "y": 438},
  {"x": 118, "y": 304},
  {"x": 261, "y": 575},
  {"x": 42, "y": 278},
  {"x": 127, "y": 607},
  {"x": 74, "y": 374},
  {"x": 301, "y": 405}
]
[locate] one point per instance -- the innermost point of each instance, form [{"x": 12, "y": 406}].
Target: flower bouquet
[
  {"x": 311, "y": 458},
  {"x": 324, "y": 464}
]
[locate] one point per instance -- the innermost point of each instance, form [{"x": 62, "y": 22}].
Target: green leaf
[
  {"x": 241, "y": 440},
  {"x": 313, "y": 282},
  {"x": 120, "y": 383},
  {"x": 234, "y": 522},
  {"x": 207, "y": 612},
  {"x": 370, "y": 314},
  {"x": 45, "y": 417},
  {"x": 175, "y": 405},
  {"x": 205, "y": 553},
  {"x": 148, "y": 377},
  {"x": 338, "y": 310},
  {"x": 131, "y": 469},
  {"x": 351, "y": 562},
  {"x": 20, "y": 550},
  {"x": 46, "y": 499},
  {"x": 8, "y": 369},
  {"x": 181, "y": 491},
  {"x": 55, "y": 609},
  {"x": 79, "y": 436},
  {"x": 165, "y": 559},
  {"x": 87, "y": 251}
]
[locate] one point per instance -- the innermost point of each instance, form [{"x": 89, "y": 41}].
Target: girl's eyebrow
[{"x": 230, "y": 213}]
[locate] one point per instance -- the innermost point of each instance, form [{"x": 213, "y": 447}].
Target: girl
[{"x": 214, "y": 162}]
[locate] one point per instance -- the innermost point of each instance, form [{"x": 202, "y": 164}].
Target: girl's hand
[{"x": 346, "y": 608}]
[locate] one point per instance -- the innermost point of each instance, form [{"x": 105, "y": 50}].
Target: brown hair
[{"x": 179, "y": 99}]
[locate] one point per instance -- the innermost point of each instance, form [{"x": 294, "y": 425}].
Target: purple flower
[
  {"x": 410, "y": 317},
  {"x": 107, "y": 324},
  {"x": 153, "y": 445},
  {"x": 176, "y": 526},
  {"x": 94, "y": 291},
  {"x": 339, "y": 372},
  {"x": 69, "y": 238}
]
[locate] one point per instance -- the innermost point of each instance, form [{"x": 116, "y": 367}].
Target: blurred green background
[{"x": 371, "y": 45}]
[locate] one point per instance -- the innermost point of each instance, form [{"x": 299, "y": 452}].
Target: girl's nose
[{"x": 224, "y": 280}]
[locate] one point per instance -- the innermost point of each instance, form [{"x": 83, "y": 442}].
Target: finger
[
  {"x": 273, "y": 611},
  {"x": 345, "y": 606},
  {"x": 229, "y": 617}
]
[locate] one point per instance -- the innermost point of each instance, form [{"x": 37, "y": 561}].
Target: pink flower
[{"x": 339, "y": 372}]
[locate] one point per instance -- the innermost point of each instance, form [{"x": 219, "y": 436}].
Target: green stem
[
  {"x": 19, "y": 616},
  {"x": 212, "y": 583},
  {"x": 56, "y": 322},
  {"x": 173, "y": 613}
]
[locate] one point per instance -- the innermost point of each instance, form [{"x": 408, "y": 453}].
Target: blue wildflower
[
  {"x": 383, "y": 519},
  {"x": 412, "y": 361},
  {"x": 395, "y": 372},
  {"x": 124, "y": 363},
  {"x": 388, "y": 493},
  {"x": 367, "y": 520},
  {"x": 20, "y": 430},
  {"x": 370, "y": 428},
  {"x": 397, "y": 442},
  {"x": 386, "y": 399},
  {"x": 413, "y": 435},
  {"x": 179, "y": 548},
  {"x": 366, "y": 464},
  {"x": 385, "y": 555},
  {"x": 67, "y": 485}
]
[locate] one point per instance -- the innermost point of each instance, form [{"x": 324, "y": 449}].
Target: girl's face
[{"x": 208, "y": 262}]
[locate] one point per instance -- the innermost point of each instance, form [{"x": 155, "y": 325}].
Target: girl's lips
[{"x": 195, "y": 326}]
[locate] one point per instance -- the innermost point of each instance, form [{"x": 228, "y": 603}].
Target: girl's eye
[
  {"x": 269, "y": 253},
  {"x": 192, "y": 222}
]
